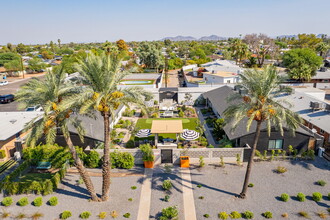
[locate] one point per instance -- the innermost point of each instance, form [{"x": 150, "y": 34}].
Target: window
[
  {"x": 275, "y": 144},
  {"x": 228, "y": 81},
  {"x": 321, "y": 131}
]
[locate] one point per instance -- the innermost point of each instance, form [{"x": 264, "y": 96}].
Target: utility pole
[{"x": 166, "y": 70}]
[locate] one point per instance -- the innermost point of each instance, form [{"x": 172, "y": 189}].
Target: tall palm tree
[
  {"x": 48, "y": 94},
  {"x": 260, "y": 106},
  {"x": 100, "y": 76},
  {"x": 322, "y": 48},
  {"x": 239, "y": 49}
]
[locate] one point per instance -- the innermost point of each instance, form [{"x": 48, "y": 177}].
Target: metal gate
[{"x": 166, "y": 156}]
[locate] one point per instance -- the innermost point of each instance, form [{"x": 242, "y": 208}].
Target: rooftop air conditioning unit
[
  {"x": 323, "y": 69},
  {"x": 327, "y": 107},
  {"x": 243, "y": 91},
  {"x": 315, "y": 105}
]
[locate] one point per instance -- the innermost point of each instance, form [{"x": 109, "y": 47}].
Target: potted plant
[{"x": 148, "y": 155}]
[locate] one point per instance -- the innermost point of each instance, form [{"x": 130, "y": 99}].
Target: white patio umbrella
[
  {"x": 189, "y": 135},
  {"x": 143, "y": 133}
]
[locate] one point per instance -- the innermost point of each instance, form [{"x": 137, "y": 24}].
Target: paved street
[{"x": 12, "y": 88}]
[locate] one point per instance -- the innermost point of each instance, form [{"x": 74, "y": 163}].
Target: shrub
[
  {"x": 114, "y": 214},
  {"x": 321, "y": 182},
  {"x": 127, "y": 215},
  {"x": 248, "y": 215},
  {"x": 133, "y": 187},
  {"x": 130, "y": 199},
  {"x": 85, "y": 215},
  {"x": 280, "y": 169},
  {"x": 36, "y": 215},
  {"x": 4, "y": 214},
  {"x": 20, "y": 216},
  {"x": 285, "y": 215},
  {"x": 223, "y": 215},
  {"x": 206, "y": 215},
  {"x": 201, "y": 197},
  {"x": 322, "y": 215},
  {"x": 317, "y": 196},
  {"x": 210, "y": 146},
  {"x": 23, "y": 201},
  {"x": 222, "y": 162},
  {"x": 304, "y": 214},
  {"x": 47, "y": 187},
  {"x": 201, "y": 161},
  {"x": 329, "y": 196},
  {"x": 66, "y": 214},
  {"x": 2, "y": 154},
  {"x": 301, "y": 197},
  {"x": 199, "y": 186},
  {"x": 102, "y": 215},
  {"x": 92, "y": 160},
  {"x": 167, "y": 184},
  {"x": 7, "y": 201},
  {"x": 169, "y": 213},
  {"x": 123, "y": 160},
  {"x": 235, "y": 215},
  {"x": 130, "y": 144},
  {"x": 167, "y": 198},
  {"x": 251, "y": 185},
  {"x": 238, "y": 160},
  {"x": 285, "y": 197},
  {"x": 267, "y": 214},
  {"x": 37, "y": 201},
  {"x": 53, "y": 201}
]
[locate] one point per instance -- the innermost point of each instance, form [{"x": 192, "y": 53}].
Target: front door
[{"x": 166, "y": 156}]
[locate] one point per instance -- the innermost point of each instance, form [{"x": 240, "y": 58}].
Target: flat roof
[
  {"x": 14, "y": 122},
  {"x": 223, "y": 74},
  {"x": 166, "y": 126}
]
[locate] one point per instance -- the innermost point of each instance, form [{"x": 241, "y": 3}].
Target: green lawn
[
  {"x": 39, "y": 177},
  {"x": 187, "y": 123}
]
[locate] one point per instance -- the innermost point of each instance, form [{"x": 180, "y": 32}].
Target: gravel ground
[
  {"x": 158, "y": 194},
  {"x": 220, "y": 185},
  {"x": 74, "y": 198}
]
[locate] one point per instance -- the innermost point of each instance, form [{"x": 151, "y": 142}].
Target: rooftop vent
[{"x": 12, "y": 121}]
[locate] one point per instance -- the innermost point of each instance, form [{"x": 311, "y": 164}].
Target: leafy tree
[
  {"x": 259, "y": 107},
  {"x": 306, "y": 41},
  {"x": 167, "y": 42},
  {"x": 218, "y": 127},
  {"x": 110, "y": 48},
  {"x": 122, "y": 46},
  {"x": 59, "y": 43},
  {"x": 302, "y": 63},
  {"x": 48, "y": 94},
  {"x": 322, "y": 48},
  {"x": 14, "y": 65},
  {"x": 175, "y": 63},
  {"x": 8, "y": 57},
  {"x": 100, "y": 76},
  {"x": 150, "y": 56},
  {"x": 10, "y": 47},
  {"x": 36, "y": 64},
  {"x": 21, "y": 48},
  {"x": 47, "y": 54}
]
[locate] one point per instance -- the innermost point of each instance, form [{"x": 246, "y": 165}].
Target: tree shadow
[{"x": 319, "y": 162}]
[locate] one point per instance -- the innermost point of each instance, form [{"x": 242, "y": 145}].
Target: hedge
[{"x": 2, "y": 154}]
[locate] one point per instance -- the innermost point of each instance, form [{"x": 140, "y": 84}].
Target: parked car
[
  {"x": 7, "y": 98},
  {"x": 36, "y": 108},
  {"x": 3, "y": 83}
]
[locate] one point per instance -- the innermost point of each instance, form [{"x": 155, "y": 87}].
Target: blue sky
[{"x": 36, "y": 21}]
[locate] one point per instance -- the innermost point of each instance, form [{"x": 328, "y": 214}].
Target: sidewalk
[{"x": 208, "y": 132}]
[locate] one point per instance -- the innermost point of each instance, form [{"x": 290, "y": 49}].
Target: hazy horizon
[{"x": 39, "y": 22}]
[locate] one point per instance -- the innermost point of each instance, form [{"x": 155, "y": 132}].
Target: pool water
[{"x": 134, "y": 82}]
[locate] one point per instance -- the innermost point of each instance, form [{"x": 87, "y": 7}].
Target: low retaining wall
[{"x": 211, "y": 155}]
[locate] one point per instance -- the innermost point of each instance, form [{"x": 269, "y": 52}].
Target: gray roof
[
  {"x": 322, "y": 75},
  {"x": 218, "y": 98},
  {"x": 150, "y": 76},
  {"x": 14, "y": 122}
]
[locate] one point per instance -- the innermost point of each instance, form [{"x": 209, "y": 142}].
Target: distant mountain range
[
  {"x": 217, "y": 38},
  {"x": 190, "y": 38}
]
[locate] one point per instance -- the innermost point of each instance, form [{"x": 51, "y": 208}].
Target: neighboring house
[
  {"x": 321, "y": 76},
  {"x": 220, "y": 77},
  {"x": 11, "y": 127},
  {"x": 304, "y": 138}
]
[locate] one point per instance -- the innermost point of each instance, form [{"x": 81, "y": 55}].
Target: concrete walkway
[
  {"x": 145, "y": 198},
  {"x": 208, "y": 133},
  {"x": 188, "y": 195}
]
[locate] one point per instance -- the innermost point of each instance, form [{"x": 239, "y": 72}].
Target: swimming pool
[{"x": 136, "y": 82}]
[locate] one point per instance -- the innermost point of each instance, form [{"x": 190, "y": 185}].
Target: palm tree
[
  {"x": 48, "y": 94},
  {"x": 240, "y": 50},
  {"x": 260, "y": 106},
  {"x": 59, "y": 43},
  {"x": 100, "y": 76},
  {"x": 322, "y": 48}
]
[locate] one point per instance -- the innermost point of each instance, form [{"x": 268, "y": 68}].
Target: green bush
[
  {"x": 206, "y": 215},
  {"x": 7, "y": 201},
  {"x": 23, "y": 201},
  {"x": 167, "y": 198},
  {"x": 37, "y": 201},
  {"x": 102, "y": 215},
  {"x": 235, "y": 215},
  {"x": 133, "y": 187},
  {"x": 321, "y": 182},
  {"x": 267, "y": 214},
  {"x": 317, "y": 196},
  {"x": 223, "y": 215},
  {"x": 130, "y": 144},
  {"x": 2, "y": 154},
  {"x": 251, "y": 185},
  {"x": 285, "y": 197},
  {"x": 201, "y": 161},
  {"x": 85, "y": 215},
  {"x": 210, "y": 146},
  {"x": 304, "y": 214},
  {"x": 66, "y": 214},
  {"x": 130, "y": 199},
  {"x": 169, "y": 213},
  {"x": 123, "y": 160},
  {"x": 167, "y": 184},
  {"x": 127, "y": 215},
  {"x": 248, "y": 215},
  {"x": 92, "y": 160},
  {"x": 47, "y": 187},
  {"x": 301, "y": 197},
  {"x": 53, "y": 201}
]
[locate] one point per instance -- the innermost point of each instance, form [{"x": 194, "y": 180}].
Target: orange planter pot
[
  {"x": 148, "y": 164},
  {"x": 184, "y": 161}
]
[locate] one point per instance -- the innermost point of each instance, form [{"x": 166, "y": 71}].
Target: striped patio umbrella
[
  {"x": 143, "y": 133},
  {"x": 189, "y": 135}
]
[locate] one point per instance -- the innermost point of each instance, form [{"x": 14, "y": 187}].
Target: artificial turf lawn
[
  {"x": 39, "y": 177},
  {"x": 187, "y": 123}
]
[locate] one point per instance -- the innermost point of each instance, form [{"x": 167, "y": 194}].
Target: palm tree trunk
[
  {"x": 106, "y": 158},
  {"x": 250, "y": 163},
  {"x": 82, "y": 171}
]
